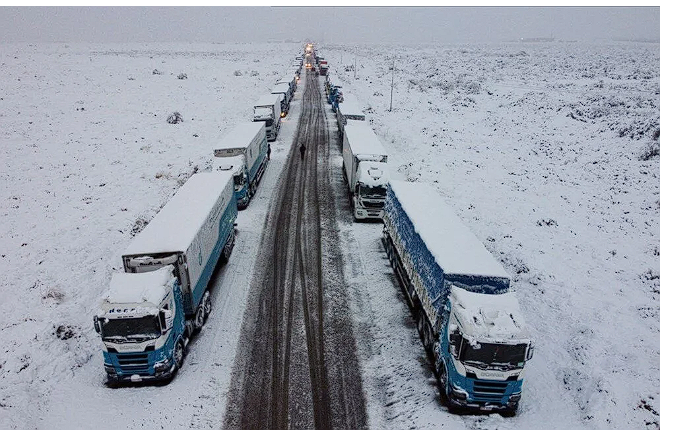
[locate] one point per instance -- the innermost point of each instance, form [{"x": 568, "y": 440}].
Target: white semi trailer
[
  {"x": 268, "y": 109},
  {"x": 365, "y": 170}
]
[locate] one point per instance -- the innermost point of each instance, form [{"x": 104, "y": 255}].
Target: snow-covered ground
[
  {"x": 536, "y": 146},
  {"x": 539, "y": 148},
  {"x": 87, "y": 159}
]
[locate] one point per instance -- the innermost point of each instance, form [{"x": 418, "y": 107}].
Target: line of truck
[
  {"x": 468, "y": 318},
  {"x": 152, "y": 308}
]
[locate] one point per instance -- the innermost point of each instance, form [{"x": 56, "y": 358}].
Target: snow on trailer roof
[
  {"x": 489, "y": 317},
  {"x": 351, "y": 106},
  {"x": 280, "y": 88},
  {"x": 268, "y": 99},
  {"x": 147, "y": 287},
  {"x": 454, "y": 246},
  {"x": 285, "y": 79},
  {"x": 240, "y": 136},
  {"x": 174, "y": 227},
  {"x": 363, "y": 140}
]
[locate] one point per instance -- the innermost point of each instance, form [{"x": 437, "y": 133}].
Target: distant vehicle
[
  {"x": 290, "y": 80},
  {"x": 335, "y": 94},
  {"x": 243, "y": 151},
  {"x": 349, "y": 109},
  {"x": 468, "y": 321},
  {"x": 268, "y": 109},
  {"x": 323, "y": 68},
  {"x": 150, "y": 311},
  {"x": 365, "y": 170}
]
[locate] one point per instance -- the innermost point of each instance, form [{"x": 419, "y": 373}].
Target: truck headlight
[
  {"x": 459, "y": 394},
  {"x": 514, "y": 398},
  {"x": 109, "y": 369},
  {"x": 162, "y": 366}
]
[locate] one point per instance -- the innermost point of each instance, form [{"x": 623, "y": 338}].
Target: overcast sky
[{"x": 327, "y": 24}]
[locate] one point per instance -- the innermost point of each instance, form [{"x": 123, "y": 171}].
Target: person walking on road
[{"x": 302, "y": 149}]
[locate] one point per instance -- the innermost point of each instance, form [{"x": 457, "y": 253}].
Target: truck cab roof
[
  {"x": 373, "y": 174},
  {"x": 235, "y": 164},
  {"x": 148, "y": 289},
  {"x": 488, "y": 317}
]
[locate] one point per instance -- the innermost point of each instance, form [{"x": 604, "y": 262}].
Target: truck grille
[
  {"x": 133, "y": 363},
  {"x": 368, "y": 204},
  {"x": 491, "y": 391}
]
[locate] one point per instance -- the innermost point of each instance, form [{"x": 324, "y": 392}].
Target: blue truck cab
[{"x": 142, "y": 340}]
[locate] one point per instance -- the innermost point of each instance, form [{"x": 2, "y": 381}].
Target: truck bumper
[
  {"x": 137, "y": 367},
  {"x": 115, "y": 377},
  {"x": 460, "y": 399},
  {"x": 364, "y": 213}
]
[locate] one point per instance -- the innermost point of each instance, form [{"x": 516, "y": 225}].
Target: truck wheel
[
  {"x": 179, "y": 353},
  {"x": 443, "y": 380},
  {"x": 424, "y": 331},
  {"x": 199, "y": 319},
  {"x": 208, "y": 307},
  {"x": 428, "y": 335}
]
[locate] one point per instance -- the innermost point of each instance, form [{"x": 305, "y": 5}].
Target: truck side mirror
[
  {"x": 165, "y": 320},
  {"x": 454, "y": 338},
  {"x": 97, "y": 325},
  {"x": 530, "y": 351},
  {"x": 454, "y": 341}
]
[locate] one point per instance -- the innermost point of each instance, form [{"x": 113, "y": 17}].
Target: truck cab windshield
[
  {"x": 484, "y": 355},
  {"x": 366, "y": 191},
  {"x": 130, "y": 329}
]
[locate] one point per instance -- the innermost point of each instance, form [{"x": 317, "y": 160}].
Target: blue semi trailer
[
  {"x": 244, "y": 151},
  {"x": 468, "y": 321},
  {"x": 151, "y": 310}
]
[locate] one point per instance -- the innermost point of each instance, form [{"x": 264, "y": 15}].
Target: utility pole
[{"x": 392, "y": 70}]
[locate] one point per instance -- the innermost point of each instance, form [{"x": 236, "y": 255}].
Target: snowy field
[{"x": 542, "y": 150}]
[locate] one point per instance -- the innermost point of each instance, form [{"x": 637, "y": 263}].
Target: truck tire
[
  {"x": 199, "y": 318},
  {"x": 510, "y": 412},
  {"x": 442, "y": 376},
  {"x": 425, "y": 331},
  {"x": 178, "y": 354},
  {"x": 208, "y": 307}
]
